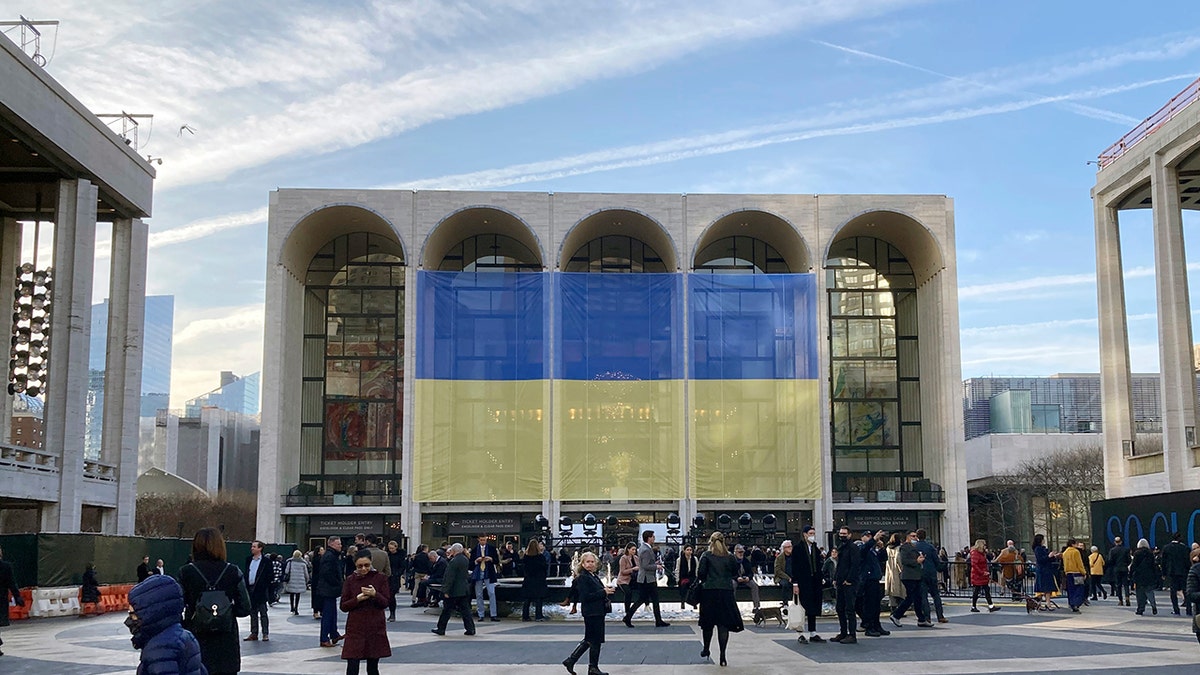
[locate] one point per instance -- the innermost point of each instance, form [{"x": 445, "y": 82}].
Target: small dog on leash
[{"x": 762, "y": 614}]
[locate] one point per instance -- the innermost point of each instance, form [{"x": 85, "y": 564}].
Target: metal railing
[
  {"x": 887, "y": 496},
  {"x": 1151, "y": 124},
  {"x": 1006, "y": 580},
  {"x": 340, "y": 500}
]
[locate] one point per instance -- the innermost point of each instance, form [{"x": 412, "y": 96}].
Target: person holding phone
[{"x": 365, "y": 596}]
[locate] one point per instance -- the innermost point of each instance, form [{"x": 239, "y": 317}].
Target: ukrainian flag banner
[
  {"x": 753, "y": 387},
  {"x": 618, "y": 387},
  {"x": 482, "y": 387}
]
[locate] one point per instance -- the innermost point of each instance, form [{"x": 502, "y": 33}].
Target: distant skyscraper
[
  {"x": 236, "y": 394},
  {"x": 158, "y": 336}
]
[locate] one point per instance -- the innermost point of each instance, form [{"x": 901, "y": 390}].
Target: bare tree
[
  {"x": 1051, "y": 494},
  {"x": 175, "y": 516}
]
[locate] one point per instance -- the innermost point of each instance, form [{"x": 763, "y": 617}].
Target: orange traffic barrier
[{"x": 19, "y": 612}]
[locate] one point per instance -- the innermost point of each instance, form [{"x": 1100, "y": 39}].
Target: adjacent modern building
[
  {"x": 1155, "y": 166},
  {"x": 157, "y": 338},
  {"x": 214, "y": 449},
  {"x": 236, "y": 394},
  {"x": 212, "y": 443},
  {"x": 440, "y": 363},
  {"x": 64, "y": 172},
  {"x": 1064, "y": 403}
]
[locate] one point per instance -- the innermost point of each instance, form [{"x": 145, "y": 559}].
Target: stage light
[
  {"x": 745, "y": 522},
  {"x": 724, "y": 522},
  {"x": 769, "y": 524},
  {"x": 673, "y": 523}
]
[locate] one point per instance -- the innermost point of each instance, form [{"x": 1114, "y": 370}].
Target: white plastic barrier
[{"x": 62, "y": 601}]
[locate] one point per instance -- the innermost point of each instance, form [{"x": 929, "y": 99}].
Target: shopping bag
[{"x": 795, "y": 615}]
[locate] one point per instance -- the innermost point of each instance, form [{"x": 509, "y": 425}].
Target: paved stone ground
[{"x": 1104, "y": 638}]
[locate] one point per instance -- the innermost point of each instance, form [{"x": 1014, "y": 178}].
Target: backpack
[{"x": 214, "y": 610}]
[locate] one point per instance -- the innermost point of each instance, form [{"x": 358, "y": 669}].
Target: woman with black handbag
[
  {"x": 718, "y": 607},
  {"x": 593, "y": 595}
]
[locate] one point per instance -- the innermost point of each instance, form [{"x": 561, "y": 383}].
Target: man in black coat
[
  {"x": 1118, "y": 558},
  {"x": 870, "y": 592},
  {"x": 260, "y": 574},
  {"x": 8, "y": 584},
  {"x": 1175, "y": 566},
  {"x": 846, "y": 580},
  {"x": 329, "y": 588},
  {"x": 806, "y": 580},
  {"x": 456, "y": 588},
  {"x": 143, "y": 570}
]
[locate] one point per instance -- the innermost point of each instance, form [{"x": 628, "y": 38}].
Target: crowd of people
[{"x": 183, "y": 624}]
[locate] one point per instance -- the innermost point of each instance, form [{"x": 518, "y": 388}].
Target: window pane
[
  {"x": 910, "y": 401},
  {"x": 912, "y": 448},
  {"x": 880, "y": 379},
  {"x": 837, "y": 336},
  {"x": 866, "y": 424},
  {"x": 345, "y": 301},
  {"x": 863, "y": 337},
  {"x": 841, "y": 424},
  {"x": 850, "y": 459},
  {"x": 341, "y": 377},
  {"x": 379, "y": 302}
]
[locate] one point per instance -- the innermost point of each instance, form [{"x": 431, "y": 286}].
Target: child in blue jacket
[{"x": 155, "y": 613}]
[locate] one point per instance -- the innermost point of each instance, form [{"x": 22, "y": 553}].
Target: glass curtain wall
[
  {"x": 353, "y": 372},
  {"x": 874, "y": 373}
]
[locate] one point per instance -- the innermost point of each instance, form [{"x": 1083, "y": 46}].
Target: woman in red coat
[
  {"x": 981, "y": 576},
  {"x": 365, "y": 596}
]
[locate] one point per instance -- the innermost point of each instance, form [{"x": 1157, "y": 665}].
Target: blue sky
[{"x": 997, "y": 104}]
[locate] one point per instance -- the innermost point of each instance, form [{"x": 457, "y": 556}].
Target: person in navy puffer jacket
[{"x": 155, "y": 615}]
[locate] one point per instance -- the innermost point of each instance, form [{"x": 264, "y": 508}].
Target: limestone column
[
  {"x": 1115, "y": 387},
  {"x": 1178, "y": 383},
  {"x": 70, "y": 327},
  {"x": 10, "y": 259},
  {"x": 123, "y": 364}
]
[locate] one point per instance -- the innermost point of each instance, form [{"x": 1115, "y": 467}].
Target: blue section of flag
[
  {"x": 753, "y": 326},
  {"x": 618, "y": 326},
  {"x": 482, "y": 326}
]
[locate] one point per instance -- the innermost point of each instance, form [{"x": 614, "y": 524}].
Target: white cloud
[
  {"x": 210, "y": 340},
  {"x": 1086, "y": 111},
  {"x": 217, "y": 321},
  {"x": 322, "y": 80},
  {"x": 1002, "y": 290},
  {"x": 1030, "y": 236}
]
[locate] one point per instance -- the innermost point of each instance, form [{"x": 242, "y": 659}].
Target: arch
[
  {"x": 322, "y": 225},
  {"x": 765, "y": 226},
  {"x": 913, "y": 239},
  {"x": 472, "y": 221},
  {"x": 619, "y": 222}
]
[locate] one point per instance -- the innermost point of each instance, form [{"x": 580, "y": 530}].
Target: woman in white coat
[
  {"x": 892, "y": 585},
  {"x": 296, "y": 577}
]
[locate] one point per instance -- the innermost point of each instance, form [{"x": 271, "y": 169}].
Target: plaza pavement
[{"x": 1104, "y": 638}]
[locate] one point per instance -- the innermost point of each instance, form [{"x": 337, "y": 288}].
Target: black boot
[
  {"x": 594, "y": 661},
  {"x": 570, "y": 661}
]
